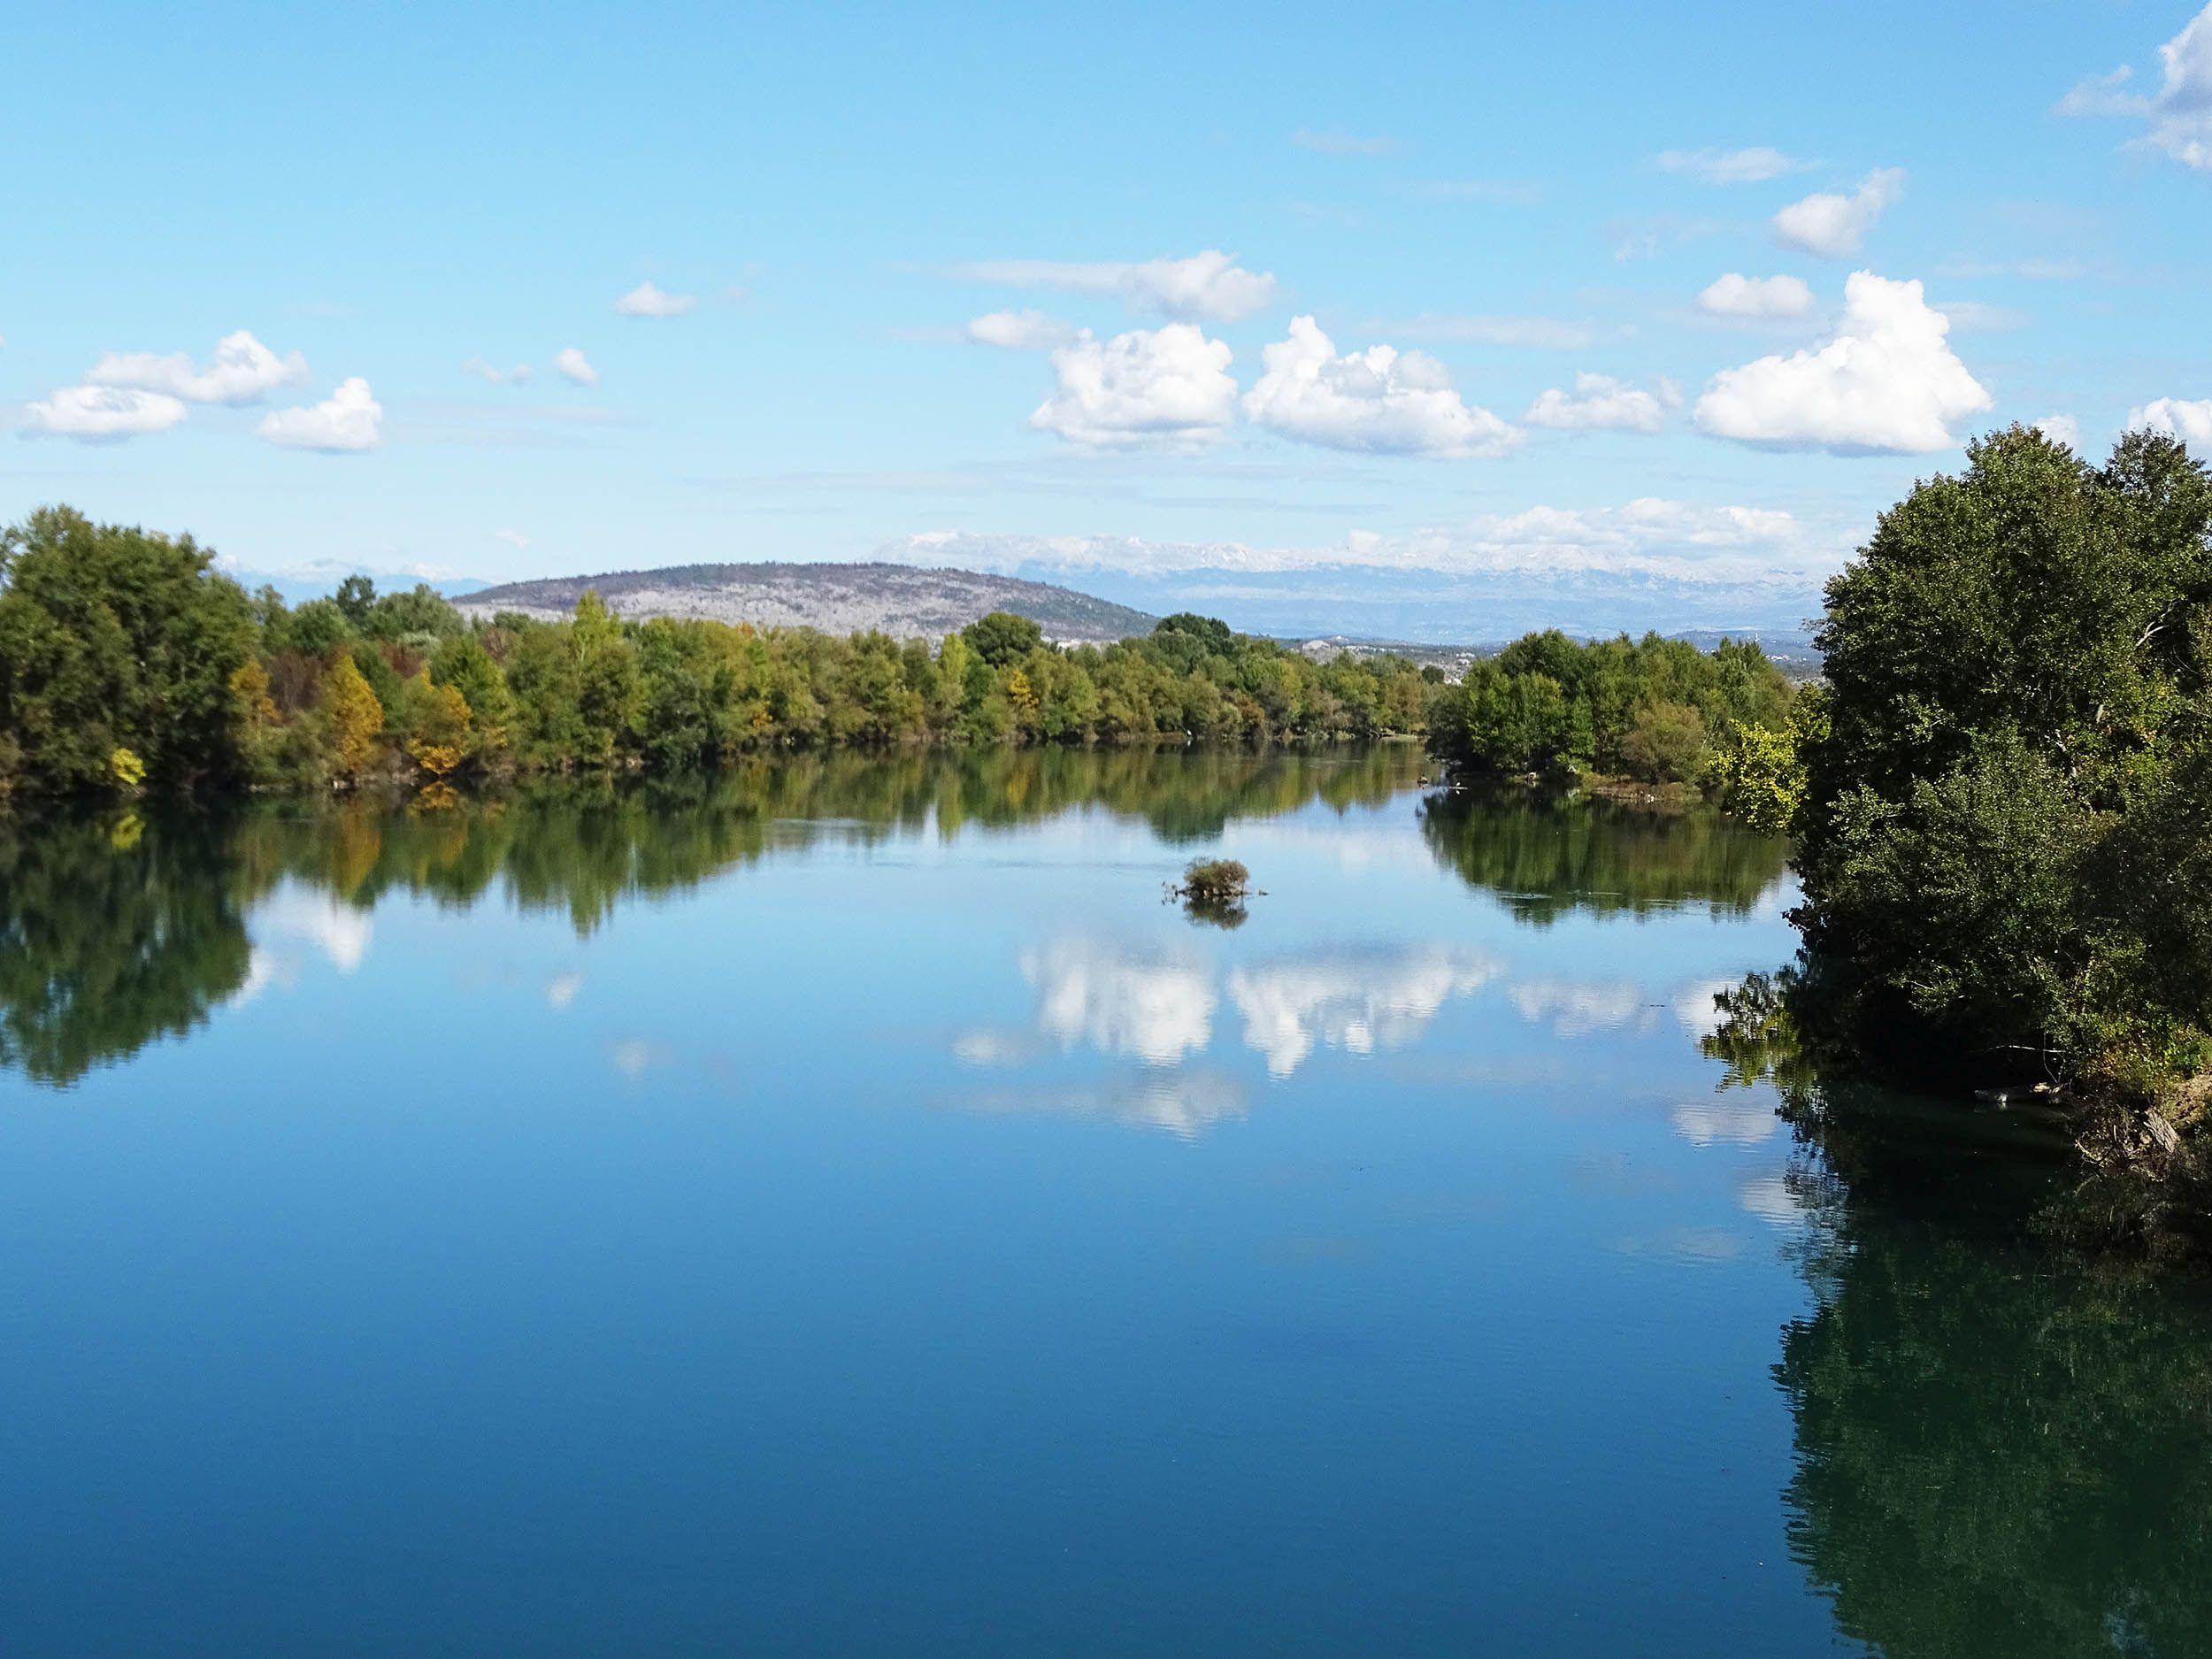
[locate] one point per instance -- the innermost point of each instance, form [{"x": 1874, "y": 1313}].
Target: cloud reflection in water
[{"x": 1356, "y": 1000}]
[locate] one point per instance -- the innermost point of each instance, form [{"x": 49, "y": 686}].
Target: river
[{"x": 842, "y": 1208}]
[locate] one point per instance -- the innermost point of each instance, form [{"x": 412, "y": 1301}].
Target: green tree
[
  {"x": 1758, "y": 772},
  {"x": 112, "y": 637},
  {"x": 607, "y": 691},
  {"x": 316, "y": 629},
  {"x": 1002, "y": 637},
  {"x": 355, "y": 596},
  {"x": 420, "y": 613},
  {"x": 2017, "y": 718},
  {"x": 1665, "y": 743},
  {"x": 1640, "y": 707},
  {"x": 687, "y": 689},
  {"x": 541, "y": 672},
  {"x": 955, "y": 658},
  {"x": 463, "y": 663}
]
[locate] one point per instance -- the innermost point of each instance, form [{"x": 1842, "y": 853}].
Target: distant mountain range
[
  {"x": 910, "y": 602},
  {"x": 900, "y": 600}
]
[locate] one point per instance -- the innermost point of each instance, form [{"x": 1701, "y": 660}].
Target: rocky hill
[{"x": 899, "y": 599}]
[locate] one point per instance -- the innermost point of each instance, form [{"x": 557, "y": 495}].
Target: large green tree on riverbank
[
  {"x": 2006, "y": 833},
  {"x": 116, "y": 639}
]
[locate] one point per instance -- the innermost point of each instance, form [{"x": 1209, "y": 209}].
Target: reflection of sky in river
[
  {"x": 1037, "y": 963},
  {"x": 629, "y": 1229},
  {"x": 943, "y": 1208}
]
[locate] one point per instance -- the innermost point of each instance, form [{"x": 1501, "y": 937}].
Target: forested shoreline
[
  {"x": 128, "y": 663},
  {"x": 1654, "y": 710}
]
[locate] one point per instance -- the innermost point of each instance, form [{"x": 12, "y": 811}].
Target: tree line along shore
[
  {"x": 1998, "y": 797},
  {"x": 128, "y": 664}
]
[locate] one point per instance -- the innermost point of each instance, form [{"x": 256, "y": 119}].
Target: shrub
[{"x": 1215, "y": 879}]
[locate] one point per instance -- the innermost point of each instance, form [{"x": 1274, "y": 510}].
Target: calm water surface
[{"x": 842, "y": 1210}]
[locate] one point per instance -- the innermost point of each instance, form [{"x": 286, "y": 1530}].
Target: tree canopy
[
  {"x": 115, "y": 638},
  {"x": 2007, "y": 821},
  {"x": 1652, "y": 708}
]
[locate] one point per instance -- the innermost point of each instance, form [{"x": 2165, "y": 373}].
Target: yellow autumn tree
[
  {"x": 353, "y": 715},
  {"x": 435, "y": 719},
  {"x": 250, "y": 686},
  {"x": 259, "y": 722}
]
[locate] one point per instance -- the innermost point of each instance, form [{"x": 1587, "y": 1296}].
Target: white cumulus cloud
[
  {"x": 1380, "y": 402},
  {"x": 1885, "y": 379},
  {"x": 1020, "y": 331},
  {"x": 1208, "y": 286},
  {"x": 2179, "y": 416},
  {"x": 1167, "y": 385},
  {"x": 649, "y": 299},
  {"x": 349, "y": 420},
  {"x": 1601, "y": 404},
  {"x": 1834, "y": 226},
  {"x": 103, "y": 414},
  {"x": 2061, "y": 429},
  {"x": 1734, "y": 294},
  {"x": 242, "y": 370},
  {"x": 1753, "y": 165},
  {"x": 576, "y": 366},
  {"x": 2178, "y": 116}
]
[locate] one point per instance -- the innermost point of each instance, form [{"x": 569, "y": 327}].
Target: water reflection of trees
[
  {"x": 584, "y": 847},
  {"x": 1999, "y": 1451},
  {"x": 111, "y": 934},
  {"x": 1545, "y": 856},
  {"x": 2003, "y": 1446},
  {"x": 115, "y": 931}
]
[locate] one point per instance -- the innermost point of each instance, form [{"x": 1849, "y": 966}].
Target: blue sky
[{"x": 1147, "y": 200}]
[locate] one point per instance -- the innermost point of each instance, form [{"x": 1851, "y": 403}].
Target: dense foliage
[
  {"x": 2006, "y": 831},
  {"x": 1656, "y": 709},
  {"x": 127, "y": 661},
  {"x": 117, "y": 650}
]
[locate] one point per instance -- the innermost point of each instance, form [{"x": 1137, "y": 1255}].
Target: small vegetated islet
[{"x": 1215, "y": 881}]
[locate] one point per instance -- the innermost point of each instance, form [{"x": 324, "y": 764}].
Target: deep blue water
[{"x": 847, "y": 1211}]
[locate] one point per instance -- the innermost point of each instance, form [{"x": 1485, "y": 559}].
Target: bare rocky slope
[{"x": 897, "y": 599}]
